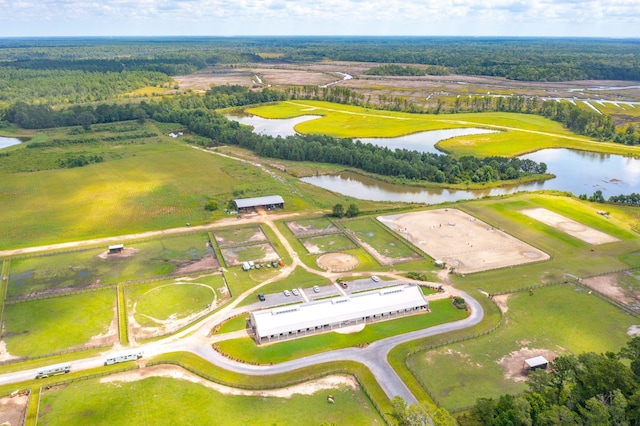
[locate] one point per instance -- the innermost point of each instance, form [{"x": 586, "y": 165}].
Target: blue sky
[{"x": 601, "y": 18}]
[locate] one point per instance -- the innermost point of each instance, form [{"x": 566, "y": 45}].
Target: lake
[
  {"x": 578, "y": 172},
  {"x": 7, "y": 142}
]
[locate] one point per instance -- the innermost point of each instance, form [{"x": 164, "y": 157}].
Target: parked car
[
  {"x": 295, "y": 292},
  {"x": 375, "y": 278},
  {"x": 287, "y": 293},
  {"x": 261, "y": 297},
  {"x": 316, "y": 289},
  {"x": 344, "y": 284}
]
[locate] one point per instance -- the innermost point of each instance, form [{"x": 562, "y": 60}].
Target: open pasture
[
  {"x": 166, "y": 394},
  {"x": 154, "y": 189},
  {"x": 306, "y": 227},
  {"x": 234, "y": 256},
  {"x": 554, "y": 321},
  {"x": 384, "y": 246},
  {"x": 45, "y": 326},
  {"x": 242, "y": 235},
  {"x": 94, "y": 267},
  {"x": 571, "y": 227},
  {"x": 327, "y": 243},
  {"x": 462, "y": 241}
]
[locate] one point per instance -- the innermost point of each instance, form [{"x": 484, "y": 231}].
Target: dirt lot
[
  {"x": 232, "y": 255},
  {"x": 13, "y": 410},
  {"x": 609, "y": 286},
  {"x": 568, "y": 226},
  {"x": 336, "y": 262},
  {"x": 174, "y": 372},
  {"x": 513, "y": 363},
  {"x": 461, "y": 241}
]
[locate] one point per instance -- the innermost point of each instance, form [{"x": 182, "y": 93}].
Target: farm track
[{"x": 197, "y": 339}]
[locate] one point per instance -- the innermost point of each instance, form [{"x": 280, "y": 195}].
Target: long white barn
[{"x": 328, "y": 314}]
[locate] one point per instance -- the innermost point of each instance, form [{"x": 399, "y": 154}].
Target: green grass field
[
  {"x": 173, "y": 301},
  {"x": 164, "y": 401},
  {"x": 148, "y": 186},
  {"x": 383, "y": 242},
  {"x": 79, "y": 269},
  {"x": 519, "y": 133},
  {"x": 320, "y": 225},
  {"x": 239, "y": 235},
  {"x": 562, "y": 318},
  {"x": 327, "y": 243},
  {"x": 45, "y": 326},
  {"x": 442, "y": 311}
]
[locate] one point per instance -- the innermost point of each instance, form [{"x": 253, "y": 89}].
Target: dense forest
[
  {"x": 530, "y": 59},
  {"x": 586, "y": 389}
]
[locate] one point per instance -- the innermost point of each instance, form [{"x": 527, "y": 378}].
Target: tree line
[
  {"x": 586, "y": 389},
  {"x": 201, "y": 120},
  {"x": 579, "y": 120}
]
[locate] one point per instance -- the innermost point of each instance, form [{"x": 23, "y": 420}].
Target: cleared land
[
  {"x": 234, "y": 256},
  {"x": 462, "y": 241},
  {"x": 555, "y": 320},
  {"x": 571, "y": 227},
  {"x": 384, "y": 246}
]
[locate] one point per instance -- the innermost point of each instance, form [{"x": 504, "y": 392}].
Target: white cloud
[{"x": 618, "y": 18}]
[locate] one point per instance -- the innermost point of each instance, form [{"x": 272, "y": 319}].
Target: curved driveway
[{"x": 196, "y": 339}]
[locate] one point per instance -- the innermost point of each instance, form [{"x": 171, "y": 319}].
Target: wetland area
[{"x": 578, "y": 172}]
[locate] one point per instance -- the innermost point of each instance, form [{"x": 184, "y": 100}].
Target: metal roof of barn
[
  {"x": 536, "y": 361},
  {"x": 284, "y": 319},
  {"x": 258, "y": 201}
]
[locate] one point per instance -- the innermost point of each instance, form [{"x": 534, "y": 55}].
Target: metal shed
[{"x": 269, "y": 202}]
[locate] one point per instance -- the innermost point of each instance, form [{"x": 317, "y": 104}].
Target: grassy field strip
[
  {"x": 494, "y": 126},
  {"x": 341, "y": 111},
  {"x": 123, "y": 330},
  {"x": 273, "y": 381},
  {"x": 33, "y": 407},
  {"x": 4, "y": 285}
]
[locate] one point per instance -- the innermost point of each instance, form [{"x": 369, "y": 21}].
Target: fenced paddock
[{"x": 462, "y": 241}]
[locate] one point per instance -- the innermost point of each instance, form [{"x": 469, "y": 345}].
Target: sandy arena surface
[
  {"x": 568, "y": 226},
  {"x": 337, "y": 262},
  {"x": 462, "y": 241},
  {"x": 169, "y": 371}
]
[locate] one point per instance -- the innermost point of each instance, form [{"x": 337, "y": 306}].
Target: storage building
[{"x": 269, "y": 202}]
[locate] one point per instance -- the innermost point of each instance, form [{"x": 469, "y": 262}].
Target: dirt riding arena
[
  {"x": 337, "y": 262},
  {"x": 568, "y": 226},
  {"x": 461, "y": 241}
]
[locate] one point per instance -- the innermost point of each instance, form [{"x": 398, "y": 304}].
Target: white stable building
[
  {"x": 302, "y": 319},
  {"x": 269, "y": 202}
]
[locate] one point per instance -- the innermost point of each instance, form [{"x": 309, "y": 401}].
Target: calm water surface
[
  {"x": 6, "y": 142},
  {"x": 577, "y": 172}
]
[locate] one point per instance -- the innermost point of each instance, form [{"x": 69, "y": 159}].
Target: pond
[
  {"x": 578, "y": 172},
  {"x": 7, "y": 142}
]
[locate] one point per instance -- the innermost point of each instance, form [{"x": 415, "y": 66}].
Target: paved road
[{"x": 196, "y": 339}]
